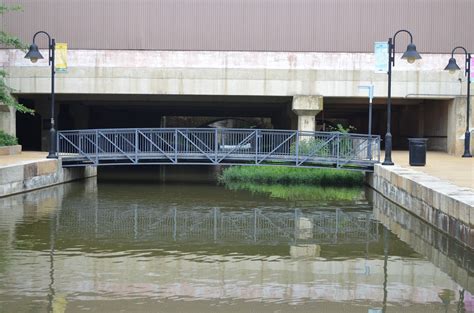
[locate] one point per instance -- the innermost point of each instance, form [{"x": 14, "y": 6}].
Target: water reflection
[{"x": 78, "y": 247}]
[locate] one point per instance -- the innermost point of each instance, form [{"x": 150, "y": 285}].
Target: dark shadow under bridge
[{"x": 218, "y": 146}]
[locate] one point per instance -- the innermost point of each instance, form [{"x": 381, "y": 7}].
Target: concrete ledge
[
  {"x": 10, "y": 150},
  {"x": 447, "y": 207},
  {"x": 37, "y": 174}
]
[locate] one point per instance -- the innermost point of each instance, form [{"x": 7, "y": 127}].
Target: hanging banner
[
  {"x": 472, "y": 67},
  {"x": 60, "y": 59},
  {"x": 381, "y": 57}
]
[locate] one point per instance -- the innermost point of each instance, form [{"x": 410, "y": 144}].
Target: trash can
[{"x": 417, "y": 151}]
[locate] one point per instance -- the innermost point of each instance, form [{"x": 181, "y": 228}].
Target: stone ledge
[
  {"x": 23, "y": 177},
  {"x": 10, "y": 150}
]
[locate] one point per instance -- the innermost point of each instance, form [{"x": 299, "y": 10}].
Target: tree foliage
[{"x": 10, "y": 41}]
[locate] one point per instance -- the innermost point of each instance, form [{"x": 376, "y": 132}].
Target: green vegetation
[
  {"x": 8, "y": 40},
  {"x": 291, "y": 175},
  {"x": 7, "y": 140},
  {"x": 301, "y": 192}
]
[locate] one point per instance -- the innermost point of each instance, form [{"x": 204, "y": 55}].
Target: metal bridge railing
[{"x": 217, "y": 146}]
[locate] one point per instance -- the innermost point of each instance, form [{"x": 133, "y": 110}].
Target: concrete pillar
[
  {"x": 8, "y": 119},
  {"x": 306, "y": 108},
  {"x": 457, "y": 125}
]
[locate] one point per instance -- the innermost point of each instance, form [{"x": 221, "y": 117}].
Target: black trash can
[{"x": 417, "y": 151}]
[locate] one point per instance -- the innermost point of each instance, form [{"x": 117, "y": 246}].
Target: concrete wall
[
  {"x": 230, "y": 73},
  {"x": 38, "y": 174},
  {"x": 456, "y": 120},
  {"x": 7, "y": 119},
  {"x": 447, "y": 207}
]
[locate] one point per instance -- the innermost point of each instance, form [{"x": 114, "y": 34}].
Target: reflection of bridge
[
  {"x": 217, "y": 146},
  {"x": 247, "y": 227}
]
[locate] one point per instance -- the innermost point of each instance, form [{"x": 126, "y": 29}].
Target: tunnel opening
[{"x": 410, "y": 117}]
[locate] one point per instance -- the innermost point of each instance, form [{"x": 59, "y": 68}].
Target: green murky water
[{"x": 123, "y": 247}]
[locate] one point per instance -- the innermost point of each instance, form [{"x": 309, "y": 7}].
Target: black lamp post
[
  {"x": 34, "y": 54},
  {"x": 452, "y": 67},
  {"x": 411, "y": 56}
]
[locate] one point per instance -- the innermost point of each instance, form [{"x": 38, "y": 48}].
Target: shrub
[{"x": 7, "y": 140}]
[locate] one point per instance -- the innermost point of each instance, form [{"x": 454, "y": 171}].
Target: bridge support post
[{"x": 306, "y": 108}]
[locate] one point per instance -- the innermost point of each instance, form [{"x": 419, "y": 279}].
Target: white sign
[
  {"x": 381, "y": 57},
  {"x": 472, "y": 65}
]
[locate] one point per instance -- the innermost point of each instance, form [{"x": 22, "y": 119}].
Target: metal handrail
[{"x": 124, "y": 146}]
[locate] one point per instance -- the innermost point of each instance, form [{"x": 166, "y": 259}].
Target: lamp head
[
  {"x": 411, "y": 55},
  {"x": 452, "y": 66},
  {"x": 33, "y": 53}
]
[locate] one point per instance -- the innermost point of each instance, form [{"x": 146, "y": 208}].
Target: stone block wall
[
  {"x": 39, "y": 174},
  {"x": 445, "y": 206},
  {"x": 440, "y": 249}
]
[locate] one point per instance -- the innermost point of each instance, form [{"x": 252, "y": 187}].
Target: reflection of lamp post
[
  {"x": 411, "y": 56},
  {"x": 385, "y": 268},
  {"x": 385, "y": 274},
  {"x": 34, "y": 54},
  {"x": 452, "y": 67}
]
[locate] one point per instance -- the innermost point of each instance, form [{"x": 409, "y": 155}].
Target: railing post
[
  {"x": 297, "y": 153},
  {"x": 216, "y": 144},
  {"x": 136, "y": 146},
  {"x": 257, "y": 142},
  {"x": 338, "y": 149},
  {"x": 96, "y": 147},
  {"x": 176, "y": 145}
]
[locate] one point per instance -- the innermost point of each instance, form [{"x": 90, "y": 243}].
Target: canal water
[{"x": 151, "y": 247}]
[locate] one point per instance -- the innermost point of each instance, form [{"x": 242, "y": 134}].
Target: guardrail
[{"x": 220, "y": 146}]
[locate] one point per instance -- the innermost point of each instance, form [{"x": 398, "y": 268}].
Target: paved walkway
[
  {"x": 22, "y": 158},
  {"x": 455, "y": 169}
]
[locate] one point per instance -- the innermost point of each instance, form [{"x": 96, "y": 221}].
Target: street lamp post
[
  {"x": 34, "y": 54},
  {"x": 411, "y": 55},
  {"x": 452, "y": 67}
]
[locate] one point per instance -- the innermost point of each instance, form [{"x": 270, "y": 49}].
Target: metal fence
[{"x": 217, "y": 146}]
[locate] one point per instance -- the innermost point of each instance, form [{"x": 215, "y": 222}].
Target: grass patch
[
  {"x": 291, "y": 175},
  {"x": 7, "y": 140},
  {"x": 302, "y": 192}
]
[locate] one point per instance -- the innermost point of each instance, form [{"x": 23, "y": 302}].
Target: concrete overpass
[{"x": 124, "y": 77}]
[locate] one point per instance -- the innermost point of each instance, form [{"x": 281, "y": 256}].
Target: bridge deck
[{"x": 217, "y": 147}]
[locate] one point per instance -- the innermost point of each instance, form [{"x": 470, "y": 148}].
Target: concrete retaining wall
[
  {"x": 38, "y": 174},
  {"x": 447, "y": 207}
]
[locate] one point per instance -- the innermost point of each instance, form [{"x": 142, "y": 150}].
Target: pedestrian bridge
[{"x": 217, "y": 146}]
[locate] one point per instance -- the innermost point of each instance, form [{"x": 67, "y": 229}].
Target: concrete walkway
[
  {"x": 24, "y": 157},
  {"x": 454, "y": 169}
]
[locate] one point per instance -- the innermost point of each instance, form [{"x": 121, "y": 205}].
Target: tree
[{"x": 8, "y": 40}]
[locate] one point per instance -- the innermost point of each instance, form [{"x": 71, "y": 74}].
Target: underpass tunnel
[
  {"x": 411, "y": 118},
  {"x": 425, "y": 118},
  {"x": 148, "y": 111}
]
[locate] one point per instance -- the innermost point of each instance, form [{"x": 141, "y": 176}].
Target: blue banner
[{"x": 381, "y": 57}]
